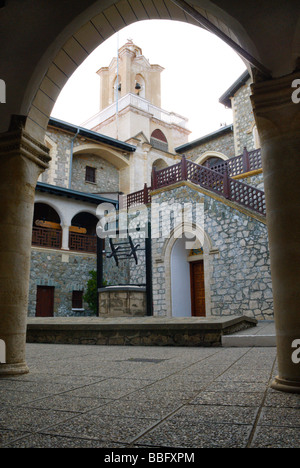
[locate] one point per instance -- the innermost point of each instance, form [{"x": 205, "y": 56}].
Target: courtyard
[{"x": 147, "y": 397}]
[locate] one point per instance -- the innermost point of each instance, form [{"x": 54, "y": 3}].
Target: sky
[{"x": 199, "y": 68}]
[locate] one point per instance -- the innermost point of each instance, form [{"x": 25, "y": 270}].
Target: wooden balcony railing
[
  {"x": 212, "y": 180},
  {"x": 141, "y": 197},
  {"x": 45, "y": 237},
  {"x": 242, "y": 164},
  {"x": 82, "y": 243}
]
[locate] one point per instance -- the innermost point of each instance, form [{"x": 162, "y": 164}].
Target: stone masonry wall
[
  {"x": 60, "y": 151},
  {"x": 237, "y": 267},
  {"x": 224, "y": 144},
  {"x": 243, "y": 119},
  {"x": 107, "y": 175},
  {"x": 255, "y": 181},
  {"x": 65, "y": 271},
  {"x": 59, "y": 143}
]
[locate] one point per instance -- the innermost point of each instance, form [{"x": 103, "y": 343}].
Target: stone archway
[
  {"x": 69, "y": 34},
  {"x": 194, "y": 232},
  {"x": 88, "y": 31},
  {"x": 211, "y": 154}
]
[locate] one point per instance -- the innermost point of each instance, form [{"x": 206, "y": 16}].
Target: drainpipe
[{"x": 71, "y": 158}]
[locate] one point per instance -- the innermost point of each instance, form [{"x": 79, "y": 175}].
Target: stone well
[{"x": 122, "y": 301}]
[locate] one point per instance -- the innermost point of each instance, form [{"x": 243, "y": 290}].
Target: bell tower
[
  {"x": 130, "y": 103},
  {"x": 130, "y": 73}
]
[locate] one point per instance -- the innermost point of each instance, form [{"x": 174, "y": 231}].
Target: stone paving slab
[{"x": 161, "y": 397}]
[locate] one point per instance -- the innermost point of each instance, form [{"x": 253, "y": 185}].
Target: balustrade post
[
  {"x": 184, "y": 170},
  {"x": 226, "y": 185},
  {"x": 145, "y": 194},
  {"x": 246, "y": 160}
]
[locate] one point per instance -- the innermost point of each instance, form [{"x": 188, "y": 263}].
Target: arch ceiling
[
  {"x": 109, "y": 155},
  {"x": 58, "y": 37}
]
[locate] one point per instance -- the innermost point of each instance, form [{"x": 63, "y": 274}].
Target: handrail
[
  {"x": 242, "y": 164},
  {"x": 210, "y": 179}
]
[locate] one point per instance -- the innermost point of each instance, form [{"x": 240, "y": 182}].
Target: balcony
[
  {"x": 82, "y": 243},
  {"x": 46, "y": 237},
  {"x": 136, "y": 102}
]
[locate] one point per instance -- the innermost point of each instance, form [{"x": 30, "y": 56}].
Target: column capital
[
  {"x": 273, "y": 106},
  {"x": 21, "y": 143}
]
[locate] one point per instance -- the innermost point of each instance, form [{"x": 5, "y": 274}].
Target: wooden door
[
  {"x": 45, "y": 301},
  {"x": 198, "y": 289}
]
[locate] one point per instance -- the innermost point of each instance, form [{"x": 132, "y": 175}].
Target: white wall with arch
[
  {"x": 174, "y": 255},
  {"x": 180, "y": 280},
  {"x": 66, "y": 209}
]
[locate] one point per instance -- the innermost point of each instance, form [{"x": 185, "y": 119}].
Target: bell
[{"x": 138, "y": 86}]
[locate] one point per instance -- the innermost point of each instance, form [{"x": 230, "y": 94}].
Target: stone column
[
  {"x": 22, "y": 160},
  {"x": 65, "y": 237},
  {"x": 278, "y": 122}
]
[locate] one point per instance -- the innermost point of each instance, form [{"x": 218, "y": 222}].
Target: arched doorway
[
  {"x": 211, "y": 158},
  {"x": 180, "y": 280},
  {"x": 187, "y": 278}
]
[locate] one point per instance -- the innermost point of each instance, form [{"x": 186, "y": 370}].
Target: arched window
[
  {"x": 140, "y": 86},
  {"x": 117, "y": 88},
  {"x": 159, "y": 141}
]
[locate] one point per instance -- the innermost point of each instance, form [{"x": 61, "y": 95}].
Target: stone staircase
[{"x": 220, "y": 180}]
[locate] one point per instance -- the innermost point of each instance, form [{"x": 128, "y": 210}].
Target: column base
[
  {"x": 286, "y": 386},
  {"x": 13, "y": 369}
]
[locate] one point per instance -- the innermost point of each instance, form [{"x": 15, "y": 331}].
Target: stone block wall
[
  {"x": 236, "y": 259},
  {"x": 240, "y": 274},
  {"x": 59, "y": 143},
  {"x": 243, "y": 119},
  {"x": 107, "y": 175},
  {"x": 66, "y": 271},
  {"x": 255, "y": 181},
  {"x": 223, "y": 144}
]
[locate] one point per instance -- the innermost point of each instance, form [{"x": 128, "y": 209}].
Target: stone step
[{"x": 249, "y": 341}]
